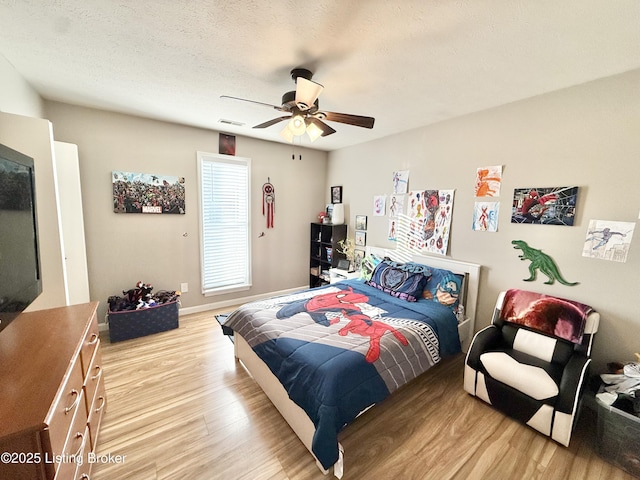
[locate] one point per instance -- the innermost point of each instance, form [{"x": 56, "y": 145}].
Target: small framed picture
[
  {"x": 227, "y": 144},
  {"x": 361, "y": 222},
  {"x": 336, "y": 194},
  {"x": 361, "y": 238}
]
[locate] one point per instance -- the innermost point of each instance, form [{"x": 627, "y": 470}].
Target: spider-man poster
[{"x": 546, "y": 206}]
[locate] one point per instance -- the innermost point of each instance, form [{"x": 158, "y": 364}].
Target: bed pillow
[
  {"x": 405, "y": 281},
  {"x": 444, "y": 287}
]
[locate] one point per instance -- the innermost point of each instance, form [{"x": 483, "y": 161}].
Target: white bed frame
[{"x": 296, "y": 416}]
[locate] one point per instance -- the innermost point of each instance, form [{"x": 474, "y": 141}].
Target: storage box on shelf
[{"x": 324, "y": 253}]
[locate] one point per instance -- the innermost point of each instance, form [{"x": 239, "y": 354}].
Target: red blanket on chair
[{"x": 562, "y": 318}]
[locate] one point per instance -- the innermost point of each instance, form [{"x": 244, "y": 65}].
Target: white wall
[
  {"x": 164, "y": 249},
  {"x": 586, "y": 136},
  {"x": 16, "y": 95}
]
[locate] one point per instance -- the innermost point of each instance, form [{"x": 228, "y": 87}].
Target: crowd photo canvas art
[{"x": 147, "y": 193}]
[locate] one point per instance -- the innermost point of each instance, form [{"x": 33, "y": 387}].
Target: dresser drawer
[
  {"x": 64, "y": 411},
  {"x": 95, "y": 414},
  {"x": 93, "y": 377},
  {"x": 84, "y": 470},
  {"x": 77, "y": 448},
  {"x": 89, "y": 345}
]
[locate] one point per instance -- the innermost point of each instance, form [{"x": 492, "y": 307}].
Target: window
[{"x": 224, "y": 222}]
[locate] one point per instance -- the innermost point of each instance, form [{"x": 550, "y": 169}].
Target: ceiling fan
[{"x": 304, "y": 108}]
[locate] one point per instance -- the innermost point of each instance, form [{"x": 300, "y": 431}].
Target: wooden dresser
[{"x": 52, "y": 394}]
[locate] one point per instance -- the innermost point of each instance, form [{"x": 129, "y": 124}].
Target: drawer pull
[
  {"x": 85, "y": 476},
  {"x": 97, "y": 375},
  {"x": 94, "y": 339},
  {"x": 102, "y": 402},
  {"x": 75, "y": 402},
  {"x": 81, "y": 437}
]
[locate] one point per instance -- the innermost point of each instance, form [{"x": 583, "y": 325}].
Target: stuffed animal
[
  {"x": 142, "y": 291},
  {"x": 141, "y": 297}
]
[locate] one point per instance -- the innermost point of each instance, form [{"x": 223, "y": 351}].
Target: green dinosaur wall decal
[{"x": 540, "y": 261}]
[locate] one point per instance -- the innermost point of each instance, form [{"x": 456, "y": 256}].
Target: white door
[{"x": 71, "y": 222}]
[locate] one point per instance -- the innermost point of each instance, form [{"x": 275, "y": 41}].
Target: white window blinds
[{"x": 225, "y": 227}]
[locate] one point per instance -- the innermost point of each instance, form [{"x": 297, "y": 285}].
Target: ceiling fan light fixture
[
  {"x": 296, "y": 125},
  {"x": 314, "y": 131},
  {"x": 303, "y": 111},
  {"x": 286, "y": 134},
  {"x": 307, "y": 93}
]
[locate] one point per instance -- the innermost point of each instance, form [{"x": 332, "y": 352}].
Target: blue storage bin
[{"x": 128, "y": 324}]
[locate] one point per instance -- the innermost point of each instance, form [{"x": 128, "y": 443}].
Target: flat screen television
[{"x": 20, "y": 280}]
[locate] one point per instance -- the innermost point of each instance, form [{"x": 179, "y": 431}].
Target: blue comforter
[{"x": 342, "y": 348}]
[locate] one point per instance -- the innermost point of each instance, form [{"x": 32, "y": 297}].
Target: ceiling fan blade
[
  {"x": 326, "y": 129},
  {"x": 307, "y": 93},
  {"x": 272, "y": 122},
  {"x": 276, "y": 107},
  {"x": 357, "y": 120}
]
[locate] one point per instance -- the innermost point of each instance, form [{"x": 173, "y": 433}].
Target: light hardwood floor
[{"x": 181, "y": 407}]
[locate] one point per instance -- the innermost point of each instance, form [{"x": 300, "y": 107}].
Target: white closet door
[{"x": 71, "y": 222}]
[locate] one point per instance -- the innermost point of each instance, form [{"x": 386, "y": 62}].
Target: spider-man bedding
[{"x": 340, "y": 349}]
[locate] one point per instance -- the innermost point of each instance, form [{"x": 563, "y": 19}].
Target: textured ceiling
[{"x": 408, "y": 63}]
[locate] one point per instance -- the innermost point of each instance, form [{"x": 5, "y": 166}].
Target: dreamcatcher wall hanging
[{"x": 268, "y": 202}]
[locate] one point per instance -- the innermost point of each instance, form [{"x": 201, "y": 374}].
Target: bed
[{"x": 325, "y": 355}]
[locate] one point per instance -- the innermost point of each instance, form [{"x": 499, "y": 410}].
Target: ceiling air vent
[{"x": 231, "y": 122}]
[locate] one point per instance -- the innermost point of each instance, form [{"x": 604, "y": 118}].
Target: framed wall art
[
  {"x": 227, "y": 144},
  {"x": 545, "y": 206},
  {"x": 336, "y": 194},
  {"x": 147, "y": 193},
  {"x": 361, "y": 238}
]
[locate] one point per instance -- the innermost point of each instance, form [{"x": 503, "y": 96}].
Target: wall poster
[
  {"x": 147, "y": 193},
  {"x": 488, "y": 180},
  {"x": 379, "y": 205},
  {"x": 485, "y": 216},
  {"x": 608, "y": 240},
  {"x": 429, "y": 215},
  {"x": 544, "y": 206},
  {"x": 400, "y": 181}
]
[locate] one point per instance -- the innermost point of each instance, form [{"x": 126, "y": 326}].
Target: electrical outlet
[{"x": 184, "y": 287}]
